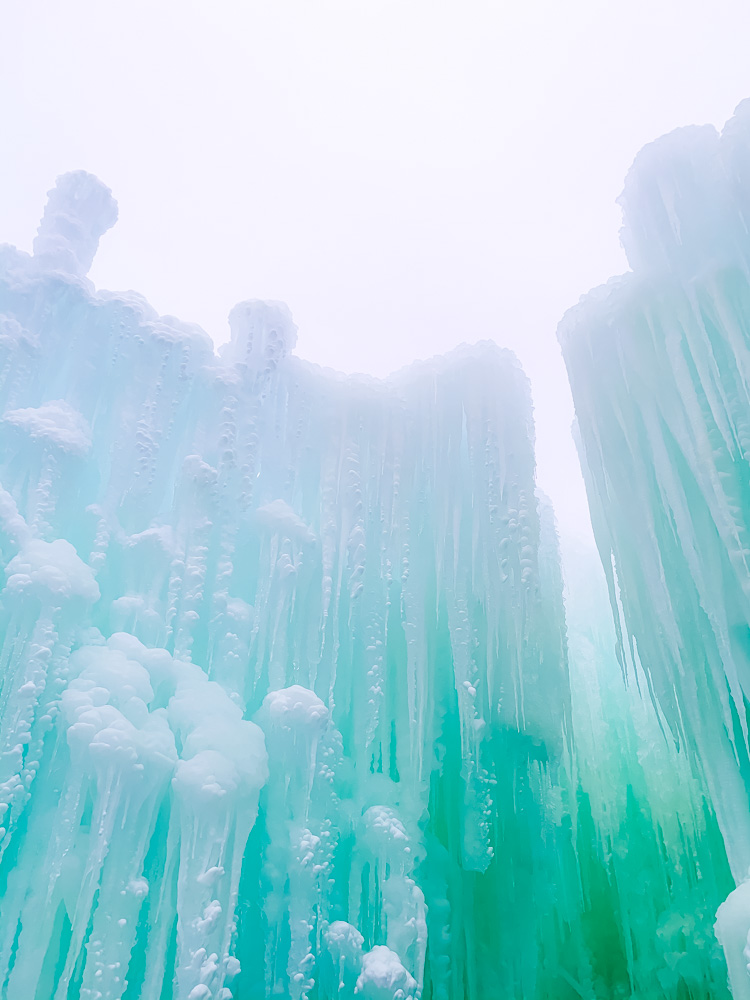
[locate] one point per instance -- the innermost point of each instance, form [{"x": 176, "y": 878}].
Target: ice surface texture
[{"x": 659, "y": 364}]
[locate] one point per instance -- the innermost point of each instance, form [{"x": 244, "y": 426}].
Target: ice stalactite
[
  {"x": 659, "y": 365},
  {"x": 285, "y": 698},
  {"x": 214, "y": 561}
]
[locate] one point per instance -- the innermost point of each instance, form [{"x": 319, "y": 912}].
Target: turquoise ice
[
  {"x": 237, "y": 578},
  {"x": 659, "y": 365},
  {"x": 294, "y": 701}
]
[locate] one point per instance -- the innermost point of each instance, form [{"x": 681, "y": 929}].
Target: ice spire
[{"x": 79, "y": 210}]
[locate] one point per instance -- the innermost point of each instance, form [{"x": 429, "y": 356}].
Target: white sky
[{"x": 405, "y": 174}]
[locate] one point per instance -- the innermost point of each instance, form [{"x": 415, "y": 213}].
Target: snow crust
[
  {"x": 54, "y": 570},
  {"x": 55, "y": 422},
  {"x": 383, "y": 977}
]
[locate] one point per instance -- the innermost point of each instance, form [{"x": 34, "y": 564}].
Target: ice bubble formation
[{"x": 291, "y": 702}]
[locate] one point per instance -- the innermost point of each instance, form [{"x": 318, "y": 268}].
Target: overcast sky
[{"x": 405, "y": 174}]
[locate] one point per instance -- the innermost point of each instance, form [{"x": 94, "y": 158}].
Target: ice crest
[
  {"x": 262, "y": 333},
  {"x": 79, "y": 210}
]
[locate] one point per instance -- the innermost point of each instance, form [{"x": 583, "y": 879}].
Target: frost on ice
[{"x": 289, "y": 706}]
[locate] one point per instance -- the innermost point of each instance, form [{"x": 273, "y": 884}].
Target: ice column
[
  {"x": 285, "y": 699},
  {"x": 659, "y": 365},
  {"x": 79, "y": 211}
]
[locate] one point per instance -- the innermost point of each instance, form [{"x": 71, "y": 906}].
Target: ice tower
[
  {"x": 288, "y": 705},
  {"x": 659, "y": 365},
  {"x": 283, "y": 681}
]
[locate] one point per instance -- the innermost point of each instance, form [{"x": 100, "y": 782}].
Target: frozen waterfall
[
  {"x": 659, "y": 365},
  {"x": 294, "y": 699}
]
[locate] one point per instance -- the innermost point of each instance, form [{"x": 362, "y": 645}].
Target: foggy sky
[{"x": 405, "y": 174}]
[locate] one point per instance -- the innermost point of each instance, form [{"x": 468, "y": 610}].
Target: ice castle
[{"x": 295, "y": 699}]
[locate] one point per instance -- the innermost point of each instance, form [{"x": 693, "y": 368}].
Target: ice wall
[
  {"x": 287, "y": 703},
  {"x": 283, "y": 683},
  {"x": 652, "y": 862},
  {"x": 659, "y": 365}
]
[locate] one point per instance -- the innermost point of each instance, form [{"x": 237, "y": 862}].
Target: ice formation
[
  {"x": 284, "y": 682},
  {"x": 659, "y": 365},
  {"x": 290, "y": 701}
]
